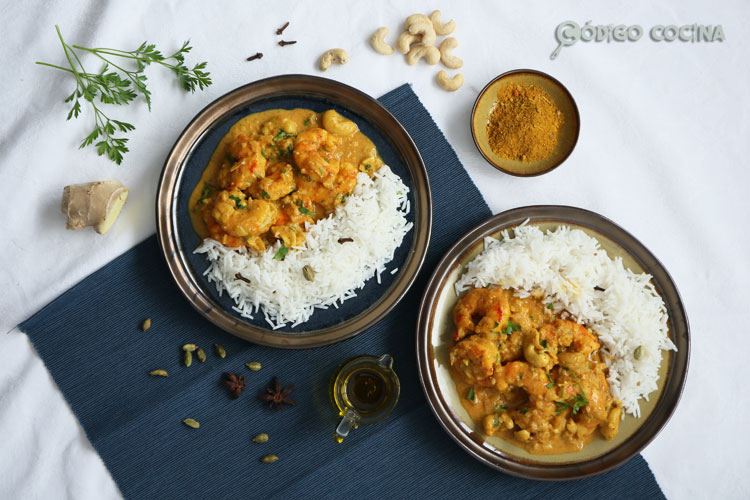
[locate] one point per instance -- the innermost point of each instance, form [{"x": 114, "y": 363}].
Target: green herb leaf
[
  {"x": 281, "y": 135},
  {"x": 551, "y": 382},
  {"x": 512, "y": 327},
  {"x": 471, "y": 396},
  {"x": 550, "y": 306},
  {"x": 281, "y": 253},
  {"x": 543, "y": 342},
  {"x": 264, "y": 194},
  {"x": 119, "y": 87},
  {"x": 307, "y": 122},
  {"x": 561, "y": 407},
  {"x": 230, "y": 159},
  {"x": 303, "y": 210},
  {"x": 499, "y": 408},
  {"x": 237, "y": 202},
  {"x": 524, "y": 411}
]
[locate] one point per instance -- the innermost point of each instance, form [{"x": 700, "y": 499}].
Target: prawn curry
[
  {"x": 276, "y": 170},
  {"x": 527, "y": 376}
]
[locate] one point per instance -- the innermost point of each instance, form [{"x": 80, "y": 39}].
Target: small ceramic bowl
[{"x": 568, "y": 137}]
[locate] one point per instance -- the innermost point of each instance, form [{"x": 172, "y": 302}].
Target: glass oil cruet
[{"x": 365, "y": 390}]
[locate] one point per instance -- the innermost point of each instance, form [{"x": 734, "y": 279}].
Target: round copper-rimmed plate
[
  {"x": 189, "y": 157},
  {"x": 435, "y": 328},
  {"x": 567, "y": 138}
]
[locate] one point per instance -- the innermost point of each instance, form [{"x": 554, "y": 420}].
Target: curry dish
[
  {"x": 276, "y": 170},
  {"x": 527, "y": 376}
]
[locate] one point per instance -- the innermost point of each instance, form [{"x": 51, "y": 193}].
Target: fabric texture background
[{"x": 134, "y": 421}]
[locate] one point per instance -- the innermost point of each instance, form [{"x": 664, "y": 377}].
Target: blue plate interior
[{"x": 199, "y": 157}]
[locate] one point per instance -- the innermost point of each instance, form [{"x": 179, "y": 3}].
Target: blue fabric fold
[{"x": 91, "y": 342}]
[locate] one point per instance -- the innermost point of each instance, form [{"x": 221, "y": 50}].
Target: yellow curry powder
[{"x": 524, "y": 124}]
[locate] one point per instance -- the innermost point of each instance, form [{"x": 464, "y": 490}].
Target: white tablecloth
[{"x": 662, "y": 152}]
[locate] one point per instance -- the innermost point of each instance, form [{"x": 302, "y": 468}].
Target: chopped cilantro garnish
[
  {"x": 264, "y": 155},
  {"x": 512, "y": 327},
  {"x": 368, "y": 167},
  {"x": 471, "y": 396},
  {"x": 281, "y": 253},
  {"x": 289, "y": 150},
  {"x": 551, "y": 382},
  {"x": 550, "y": 306},
  {"x": 265, "y": 195},
  {"x": 205, "y": 192},
  {"x": 499, "y": 408},
  {"x": 281, "y": 135},
  {"x": 307, "y": 122},
  {"x": 524, "y": 411},
  {"x": 561, "y": 407},
  {"x": 237, "y": 202},
  {"x": 303, "y": 210},
  {"x": 543, "y": 342}
]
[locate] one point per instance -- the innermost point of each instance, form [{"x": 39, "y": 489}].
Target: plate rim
[
  {"x": 173, "y": 169},
  {"x": 674, "y": 380}
]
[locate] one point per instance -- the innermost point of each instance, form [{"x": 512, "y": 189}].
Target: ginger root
[{"x": 93, "y": 204}]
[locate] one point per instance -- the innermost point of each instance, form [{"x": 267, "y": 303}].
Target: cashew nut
[
  {"x": 431, "y": 55},
  {"x": 450, "y": 83},
  {"x": 405, "y": 40},
  {"x": 425, "y": 29},
  {"x": 414, "y": 18},
  {"x": 336, "y": 124},
  {"x": 448, "y": 59},
  {"x": 338, "y": 56},
  {"x": 377, "y": 40},
  {"x": 530, "y": 344},
  {"x": 442, "y": 28}
]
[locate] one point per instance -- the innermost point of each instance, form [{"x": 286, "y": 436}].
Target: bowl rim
[
  {"x": 278, "y": 86},
  {"x": 543, "y": 75},
  {"x": 471, "y": 442}
]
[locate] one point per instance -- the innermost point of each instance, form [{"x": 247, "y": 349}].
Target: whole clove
[
  {"x": 281, "y": 30},
  {"x": 284, "y": 42},
  {"x": 258, "y": 55}
]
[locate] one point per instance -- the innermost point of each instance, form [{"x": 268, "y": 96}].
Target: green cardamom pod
[
  {"x": 191, "y": 423},
  {"x": 269, "y": 459},
  {"x": 146, "y": 324},
  {"x": 220, "y": 351},
  {"x": 201, "y": 355},
  {"x": 638, "y": 354},
  {"x": 189, "y": 347},
  {"x": 160, "y": 373},
  {"x": 308, "y": 273},
  {"x": 254, "y": 366},
  {"x": 188, "y": 358},
  {"x": 261, "y": 438}
]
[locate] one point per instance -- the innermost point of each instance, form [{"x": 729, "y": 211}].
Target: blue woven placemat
[{"x": 90, "y": 340}]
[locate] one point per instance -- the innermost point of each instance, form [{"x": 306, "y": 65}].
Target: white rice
[
  {"x": 567, "y": 265},
  {"x": 374, "y": 216}
]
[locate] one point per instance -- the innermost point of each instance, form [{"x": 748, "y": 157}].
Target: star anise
[
  {"x": 276, "y": 396},
  {"x": 235, "y": 384}
]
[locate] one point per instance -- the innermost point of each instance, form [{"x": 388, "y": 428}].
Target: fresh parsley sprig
[{"x": 115, "y": 84}]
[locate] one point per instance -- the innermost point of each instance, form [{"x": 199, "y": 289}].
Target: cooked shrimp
[
  {"x": 579, "y": 343},
  {"x": 475, "y": 358},
  {"x": 243, "y": 217},
  {"x": 481, "y": 310},
  {"x": 315, "y": 152},
  {"x": 278, "y": 182},
  {"x": 244, "y": 165}
]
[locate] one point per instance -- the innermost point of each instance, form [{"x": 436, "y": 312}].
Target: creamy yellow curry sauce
[
  {"x": 276, "y": 170},
  {"x": 527, "y": 376}
]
